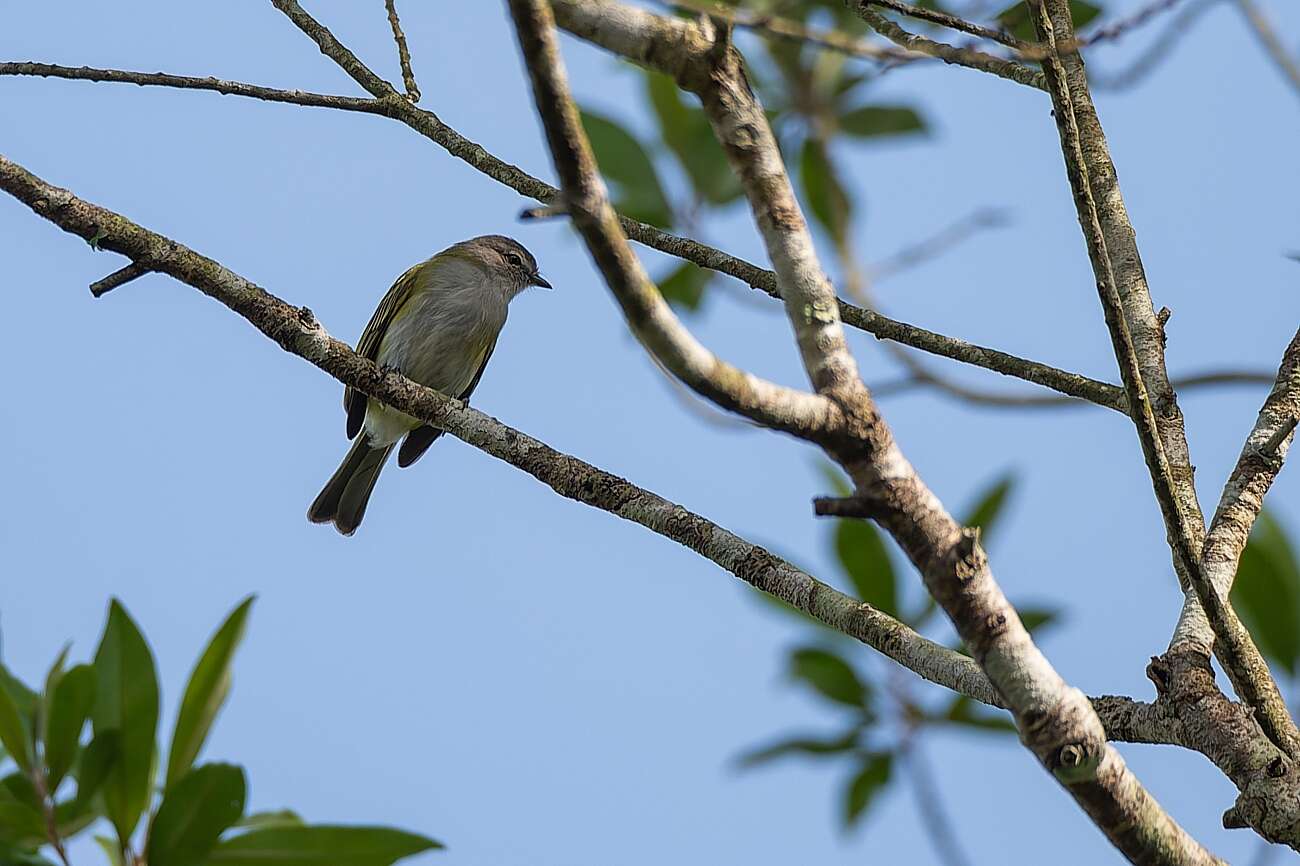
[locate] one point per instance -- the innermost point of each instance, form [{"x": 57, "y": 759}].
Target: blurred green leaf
[
  {"x": 1266, "y": 592},
  {"x": 687, "y": 133},
  {"x": 111, "y": 850},
  {"x": 807, "y": 746},
  {"x": 13, "y": 855},
  {"x": 988, "y": 506},
  {"x": 73, "y": 816},
  {"x": 195, "y": 811},
  {"x": 20, "y": 823},
  {"x": 830, "y": 675},
  {"x": 683, "y": 286},
  {"x": 18, "y": 788},
  {"x": 14, "y": 731},
  {"x": 52, "y": 678},
  {"x": 23, "y": 697},
  {"x": 825, "y": 195},
  {"x": 968, "y": 713},
  {"x": 127, "y": 702},
  {"x": 97, "y": 761},
  {"x": 70, "y": 706},
  {"x": 277, "y": 818},
  {"x": 1017, "y": 21},
  {"x": 836, "y": 478},
  {"x": 624, "y": 163},
  {"x": 862, "y": 553},
  {"x": 872, "y": 775},
  {"x": 1035, "y": 618},
  {"x": 206, "y": 692},
  {"x": 318, "y": 846},
  {"x": 870, "y": 121}
]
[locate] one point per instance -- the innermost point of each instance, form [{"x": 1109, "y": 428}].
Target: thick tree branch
[
  {"x": 1055, "y": 721},
  {"x": 1084, "y": 149},
  {"x": 1243, "y": 496}
]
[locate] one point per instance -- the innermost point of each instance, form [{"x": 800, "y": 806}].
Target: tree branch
[
  {"x": 1079, "y": 128},
  {"x": 968, "y": 57},
  {"x": 403, "y": 52},
  {"x": 1258, "y": 465},
  {"x": 430, "y": 126},
  {"x": 1055, "y": 721},
  {"x": 296, "y": 330},
  {"x": 1267, "y": 36}
]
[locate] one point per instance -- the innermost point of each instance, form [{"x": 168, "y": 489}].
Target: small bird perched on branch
[{"x": 437, "y": 325}]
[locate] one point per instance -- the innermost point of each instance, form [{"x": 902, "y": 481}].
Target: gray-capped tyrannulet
[{"x": 437, "y": 325}]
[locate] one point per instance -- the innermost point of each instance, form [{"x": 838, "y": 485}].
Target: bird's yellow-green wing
[{"x": 354, "y": 402}]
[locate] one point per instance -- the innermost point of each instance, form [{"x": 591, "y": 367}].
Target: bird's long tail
[{"x": 344, "y": 497}]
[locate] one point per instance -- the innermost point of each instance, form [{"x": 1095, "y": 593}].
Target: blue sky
[{"x": 521, "y": 677}]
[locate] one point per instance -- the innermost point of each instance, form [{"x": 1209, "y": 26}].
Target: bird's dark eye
[{"x": 515, "y": 260}]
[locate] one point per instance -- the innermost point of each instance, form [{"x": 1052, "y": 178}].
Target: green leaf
[
  {"x": 830, "y": 675},
  {"x": 277, "y": 818},
  {"x": 863, "y": 555},
  {"x": 1019, "y": 23},
  {"x": 988, "y": 506},
  {"x": 194, "y": 813},
  {"x": 24, "y": 698},
  {"x": 206, "y": 692},
  {"x": 13, "y": 855},
  {"x": 111, "y": 850},
  {"x": 624, "y": 163},
  {"x": 872, "y": 775},
  {"x": 688, "y": 135},
  {"x": 1266, "y": 593},
  {"x": 70, "y": 706},
  {"x": 967, "y": 713},
  {"x": 52, "y": 678},
  {"x": 318, "y": 846},
  {"x": 1035, "y": 618},
  {"x": 15, "y": 732},
  {"x": 20, "y": 823},
  {"x": 73, "y": 816},
  {"x": 97, "y": 761},
  {"x": 18, "y": 788},
  {"x": 871, "y": 121},
  {"x": 683, "y": 287},
  {"x": 807, "y": 746},
  {"x": 835, "y": 478},
  {"x": 127, "y": 702},
  {"x": 825, "y": 195}
]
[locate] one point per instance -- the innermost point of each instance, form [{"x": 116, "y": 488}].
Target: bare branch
[
  {"x": 1258, "y": 465},
  {"x": 1056, "y": 722},
  {"x": 952, "y": 22},
  {"x": 403, "y": 52},
  {"x": 1267, "y": 36},
  {"x": 296, "y": 330},
  {"x": 120, "y": 277},
  {"x": 784, "y": 28},
  {"x": 1154, "y": 54},
  {"x": 968, "y": 57},
  {"x": 430, "y": 126},
  {"x": 1234, "y": 647}
]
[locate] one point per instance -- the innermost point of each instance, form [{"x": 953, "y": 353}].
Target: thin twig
[
  {"x": 403, "y": 53},
  {"x": 952, "y": 22},
  {"x": 1268, "y": 37},
  {"x": 784, "y": 28},
  {"x": 968, "y": 57},
  {"x": 1151, "y": 57},
  {"x": 428, "y": 124},
  {"x": 119, "y": 277}
]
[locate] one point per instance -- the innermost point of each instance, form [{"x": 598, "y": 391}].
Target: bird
[{"x": 438, "y": 326}]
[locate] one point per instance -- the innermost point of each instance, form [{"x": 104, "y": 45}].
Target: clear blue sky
[{"x": 527, "y": 679}]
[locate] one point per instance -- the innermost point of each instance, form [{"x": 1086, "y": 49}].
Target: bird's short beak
[{"x": 536, "y": 280}]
